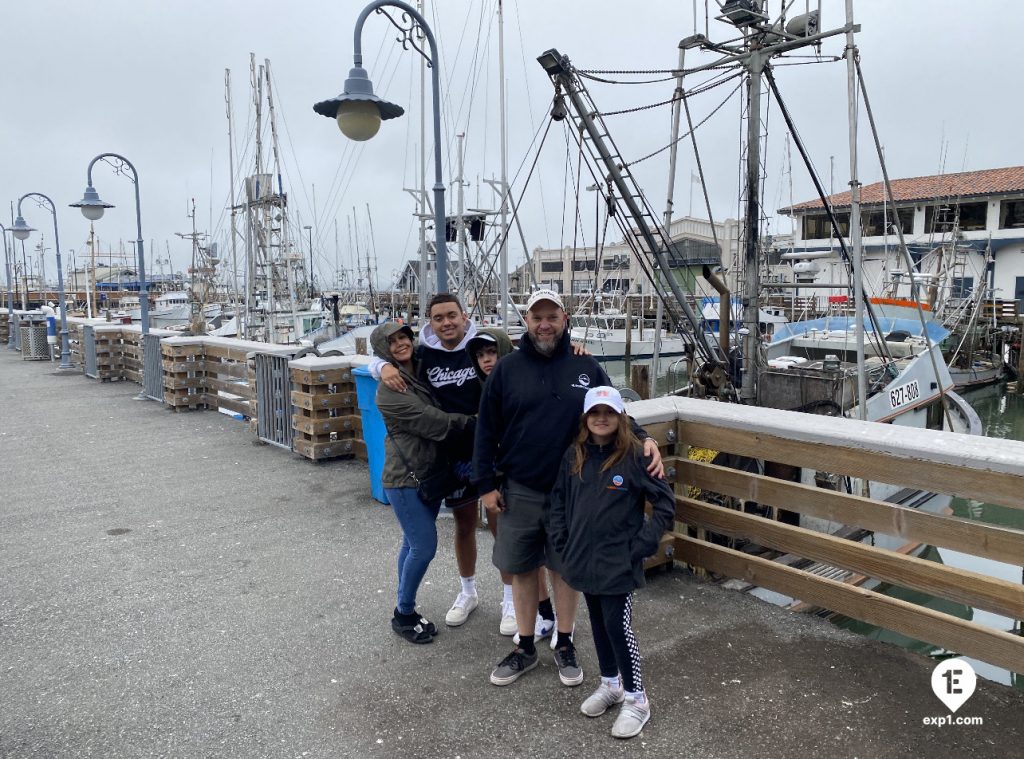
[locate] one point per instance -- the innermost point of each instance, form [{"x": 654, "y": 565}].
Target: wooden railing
[{"x": 980, "y": 468}]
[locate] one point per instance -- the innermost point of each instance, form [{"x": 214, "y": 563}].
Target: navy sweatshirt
[
  {"x": 597, "y": 523},
  {"x": 530, "y": 412}
]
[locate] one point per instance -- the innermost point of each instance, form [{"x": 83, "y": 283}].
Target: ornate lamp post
[
  {"x": 359, "y": 112},
  {"x": 21, "y": 231},
  {"x": 93, "y": 208}
]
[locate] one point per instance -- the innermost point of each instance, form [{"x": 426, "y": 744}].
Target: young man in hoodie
[
  {"x": 448, "y": 368},
  {"x": 529, "y": 414}
]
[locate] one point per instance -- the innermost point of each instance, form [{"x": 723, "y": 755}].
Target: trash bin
[{"x": 373, "y": 429}]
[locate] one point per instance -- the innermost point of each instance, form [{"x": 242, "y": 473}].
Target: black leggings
[{"x": 617, "y": 649}]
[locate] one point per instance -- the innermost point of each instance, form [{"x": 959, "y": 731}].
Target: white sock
[
  {"x": 638, "y": 697},
  {"x": 506, "y": 594},
  {"x": 612, "y": 682},
  {"x": 468, "y": 585}
]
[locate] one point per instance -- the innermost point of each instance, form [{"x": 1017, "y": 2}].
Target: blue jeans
[{"x": 419, "y": 542}]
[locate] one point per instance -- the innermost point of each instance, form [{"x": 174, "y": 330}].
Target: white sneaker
[
  {"x": 602, "y": 699},
  {"x": 542, "y": 628},
  {"x": 508, "y": 624},
  {"x": 461, "y": 609},
  {"x": 632, "y": 718}
]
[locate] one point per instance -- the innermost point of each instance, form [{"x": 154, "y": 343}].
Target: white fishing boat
[
  {"x": 171, "y": 309},
  {"x": 605, "y": 335}
]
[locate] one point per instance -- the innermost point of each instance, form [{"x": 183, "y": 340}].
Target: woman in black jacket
[{"x": 597, "y": 525}]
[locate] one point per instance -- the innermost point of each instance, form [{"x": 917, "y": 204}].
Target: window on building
[
  {"x": 1011, "y": 214},
  {"x": 552, "y": 265},
  {"x": 877, "y": 223},
  {"x": 615, "y": 285},
  {"x": 587, "y": 264},
  {"x": 818, "y": 227},
  {"x": 942, "y": 217},
  {"x": 581, "y": 286},
  {"x": 551, "y": 284},
  {"x": 961, "y": 287}
]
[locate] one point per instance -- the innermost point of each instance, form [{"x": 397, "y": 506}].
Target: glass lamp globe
[
  {"x": 93, "y": 213},
  {"x": 358, "y": 119},
  {"x": 21, "y": 230}
]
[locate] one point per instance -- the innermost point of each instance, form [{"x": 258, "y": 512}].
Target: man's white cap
[
  {"x": 603, "y": 396},
  {"x": 540, "y": 295}
]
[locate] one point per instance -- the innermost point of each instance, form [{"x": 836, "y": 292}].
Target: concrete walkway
[{"x": 170, "y": 589}]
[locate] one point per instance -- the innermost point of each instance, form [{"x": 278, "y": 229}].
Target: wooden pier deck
[{"x": 169, "y": 588}]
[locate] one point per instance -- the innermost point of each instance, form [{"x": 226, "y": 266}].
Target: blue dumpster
[{"x": 373, "y": 429}]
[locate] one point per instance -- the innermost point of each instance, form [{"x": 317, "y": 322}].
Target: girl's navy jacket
[{"x": 597, "y": 521}]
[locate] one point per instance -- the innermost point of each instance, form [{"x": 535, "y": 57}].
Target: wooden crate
[
  {"x": 184, "y": 370},
  {"x": 325, "y": 420}
]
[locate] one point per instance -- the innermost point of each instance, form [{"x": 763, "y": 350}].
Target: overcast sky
[{"x": 145, "y": 78}]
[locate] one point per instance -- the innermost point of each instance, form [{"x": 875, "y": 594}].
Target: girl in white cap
[{"x": 597, "y": 525}]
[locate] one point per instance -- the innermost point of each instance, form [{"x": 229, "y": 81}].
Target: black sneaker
[
  {"x": 569, "y": 672},
  {"x": 513, "y": 666}
]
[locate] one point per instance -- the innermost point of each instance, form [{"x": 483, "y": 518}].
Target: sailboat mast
[
  {"x": 503, "y": 296},
  {"x": 231, "y": 201},
  {"x": 855, "y": 235},
  {"x": 288, "y": 259}
]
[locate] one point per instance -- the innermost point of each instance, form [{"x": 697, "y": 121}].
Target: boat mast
[
  {"x": 855, "y": 236},
  {"x": 288, "y": 256},
  {"x": 677, "y": 107},
  {"x": 234, "y": 230},
  {"x": 503, "y": 294}
]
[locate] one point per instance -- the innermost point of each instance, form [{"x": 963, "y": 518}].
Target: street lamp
[
  {"x": 10, "y": 291},
  {"x": 21, "y": 231},
  {"x": 359, "y": 112},
  {"x": 93, "y": 208}
]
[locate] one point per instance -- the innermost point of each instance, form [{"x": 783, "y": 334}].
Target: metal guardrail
[
  {"x": 273, "y": 400},
  {"x": 152, "y": 371},
  {"x": 89, "y": 351}
]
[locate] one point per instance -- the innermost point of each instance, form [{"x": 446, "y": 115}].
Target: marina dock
[{"x": 171, "y": 588}]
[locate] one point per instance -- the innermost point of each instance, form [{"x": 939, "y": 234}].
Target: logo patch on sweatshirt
[
  {"x": 583, "y": 382},
  {"x": 617, "y": 483}
]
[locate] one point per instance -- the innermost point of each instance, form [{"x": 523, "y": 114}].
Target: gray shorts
[{"x": 522, "y": 544}]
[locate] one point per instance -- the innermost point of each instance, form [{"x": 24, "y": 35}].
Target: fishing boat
[
  {"x": 606, "y": 336},
  {"x": 870, "y": 365}
]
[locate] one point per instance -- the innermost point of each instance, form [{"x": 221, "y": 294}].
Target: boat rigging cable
[
  {"x": 880, "y": 343},
  {"x": 914, "y": 291}
]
